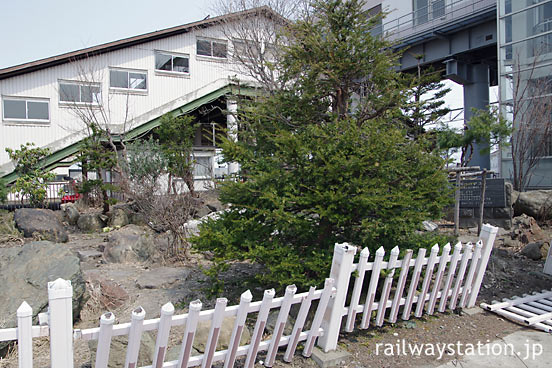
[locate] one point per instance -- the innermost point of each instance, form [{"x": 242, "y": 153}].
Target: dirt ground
[{"x": 508, "y": 274}]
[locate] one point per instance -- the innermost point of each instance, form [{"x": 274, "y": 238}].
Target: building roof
[{"x": 130, "y": 41}]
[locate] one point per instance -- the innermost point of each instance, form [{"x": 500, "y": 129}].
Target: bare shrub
[{"x": 164, "y": 210}]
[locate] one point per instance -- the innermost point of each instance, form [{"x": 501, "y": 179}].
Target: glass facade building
[{"x": 525, "y": 85}]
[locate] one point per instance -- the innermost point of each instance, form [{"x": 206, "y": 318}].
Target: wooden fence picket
[
  {"x": 163, "y": 332},
  {"x": 189, "y": 334},
  {"x": 487, "y": 236},
  {"x": 427, "y": 280},
  {"x": 438, "y": 278},
  {"x": 317, "y": 320},
  {"x": 342, "y": 266},
  {"x": 415, "y": 280},
  {"x": 280, "y": 325},
  {"x": 237, "y": 330},
  {"x": 382, "y": 307},
  {"x": 134, "y": 337},
  {"x": 371, "y": 295},
  {"x": 214, "y": 332},
  {"x": 60, "y": 294},
  {"x": 299, "y": 323},
  {"x": 466, "y": 255},
  {"x": 469, "y": 280},
  {"x": 257, "y": 335},
  {"x": 400, "y": 286},
  {"x": 25, "y": 335},
  {"x": 357, "y": 289},
  {"x": 104, "y": 339},
  {"x": 450, "y": 276}
]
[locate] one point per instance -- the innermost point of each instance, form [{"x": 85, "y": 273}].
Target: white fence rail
[
  {"x": 435, "y": 282},
  {"x": 451, "y": 283},
  {"x": 531, "y": 310}
]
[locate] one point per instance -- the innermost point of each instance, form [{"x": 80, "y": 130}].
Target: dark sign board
[{"x": 470, "y": 193}]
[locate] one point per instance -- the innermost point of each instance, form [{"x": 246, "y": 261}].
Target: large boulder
[
  {"x": 131, "y": 244},
  {"x": 24, "y": 275},
  {"x": 532, "y": 251},
  {"x": 40, "y": 222},
  {"x": 526, "y": 230},
  {"x": 132, "y": 212},
  {"x": 71, "y": 213},
  {"x": 535, "y": 203},
  {"x": 118, "y": 218},
  {"x": 90, "y": 222},
  {"x": 7, "y": 225}
]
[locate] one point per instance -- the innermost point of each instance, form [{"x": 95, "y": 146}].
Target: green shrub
[
  {"x": 32, "y": 179},
  {"x": 321, "y": 164}
]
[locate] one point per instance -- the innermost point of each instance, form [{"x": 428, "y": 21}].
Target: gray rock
[
  {"x": 215, "y": 205},
  {"x": 192, "y": 226},
  {"x": 202, "y": 333},
  {"x": 71, "y": 213},
  {"x": 133, "y": 215},
  {"x": 526, "y": 230},
  {"x": 511, "y": 243},
  {"x": 89, "y": 254},
  {"x": 511, "y": 194},
  {"x": 24, "y": 275},
  {"x": 272, "y": 319},
  {"x": 429, "y": 226},
  {"x": 118, "y": 218},
  {"x": 160, "y": 278},
  {"x": 7, "y": 224},
  {"x": 535, "y": 203},
  {"x": 40, "y": 222},
  {"x": 203, "y": 211},
  {"x": 532, "y": 251},
  {"x": 502, "y": 232},
  {"x": 545, "y": 248},
  {"x": 90, "y": 222},
  {"x": 130, "y": 244},
  {"x": 174, "y": 353},
  {"x": 117, "y": 351}
]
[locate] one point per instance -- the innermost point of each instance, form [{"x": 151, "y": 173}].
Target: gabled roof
[{"x": 130, "y": 41}]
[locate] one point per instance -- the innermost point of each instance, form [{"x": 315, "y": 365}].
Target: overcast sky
[{"x": 36, "y": 29}]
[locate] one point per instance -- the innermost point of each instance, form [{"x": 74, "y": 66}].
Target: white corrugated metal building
[{"x": 134, "y": 81}]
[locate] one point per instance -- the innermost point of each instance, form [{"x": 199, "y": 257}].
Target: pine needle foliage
[{"x": 326, "y": 159}]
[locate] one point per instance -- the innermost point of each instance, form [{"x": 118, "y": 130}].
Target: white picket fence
[
  {"x": 456, "y": 283},
  {"x": 530, "y": 310}
]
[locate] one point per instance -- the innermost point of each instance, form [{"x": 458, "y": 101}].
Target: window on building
[
  {"x": 128, "y": 79},
  {"x": 212, "y": 48},
  {"x": 203, "y": 167},
  {"x": 77, "y": 92},
  {"x": 246, "y": 49},
  {"x": 176, "y": 63},
  {"x": 421, "y": 11},
  {"x": 424, "y": 10},
  {"x": 26, "y": 109},
  {"x": 376, "y": 12}
]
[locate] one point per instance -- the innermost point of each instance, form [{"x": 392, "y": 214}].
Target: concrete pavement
[{"x": 521, "y": 349}]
